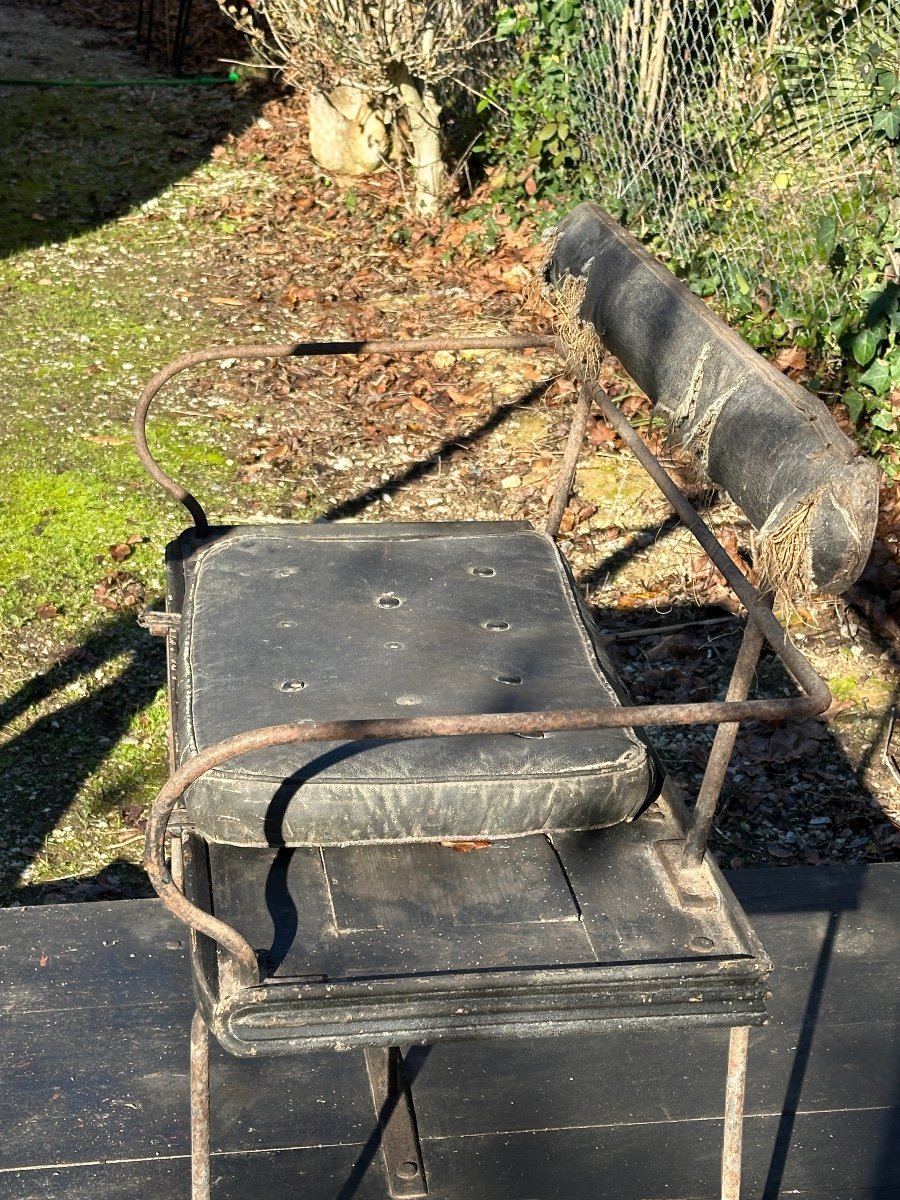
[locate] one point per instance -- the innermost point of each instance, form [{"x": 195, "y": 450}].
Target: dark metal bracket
[
  {"x": 691, "y": 884},
  {"x": 397, "y": 1133}
]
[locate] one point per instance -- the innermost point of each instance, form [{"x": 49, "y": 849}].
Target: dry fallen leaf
[
  {"x": 102, "y": 439},
  {"x": 227, "y": 300},
  {"x": 423, "y": 406},
  {"x": 467, "y": 847},
  {"x": 791, "y": 358},
  {"x": 46, "y": 612}
]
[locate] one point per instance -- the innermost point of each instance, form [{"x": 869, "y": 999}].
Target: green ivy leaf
[
  {"x": 826, "y": 235},
  {"x": 888, "y": 123},
  {"x": 878, "y": 377},
  {"x": 883, "y": 420},
  {"x": 855, "y": 404},
  {"x": 864, "y": 346}
]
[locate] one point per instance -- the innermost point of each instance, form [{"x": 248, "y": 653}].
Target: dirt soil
[{"x": 148, "y": 221}]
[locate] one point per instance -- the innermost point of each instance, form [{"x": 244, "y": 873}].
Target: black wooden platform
[{"x": 94, "y": 1015}]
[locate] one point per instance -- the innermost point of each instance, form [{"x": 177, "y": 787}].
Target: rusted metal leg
[
  {"x": 723, "y": 744},
  {"x": 734, "y": 1112},
  {"x": 199, "y": 1109},
  {"x": 398, "y": 1136},
  {"x": 566, "y": 475}
]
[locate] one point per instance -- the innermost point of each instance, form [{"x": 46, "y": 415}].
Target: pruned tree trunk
[
  {"x": 398, "y": 54},
  {"x": 423, "y": 116}
]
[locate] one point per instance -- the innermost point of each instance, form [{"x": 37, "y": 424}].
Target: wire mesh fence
[{"x": 749, "y": 141}]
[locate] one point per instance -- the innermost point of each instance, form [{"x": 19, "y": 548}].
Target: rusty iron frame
[
  {"x": 761, "y": 626},
  {"x": 733, "y": 1133},
  {"x": 685, "y": 867}
]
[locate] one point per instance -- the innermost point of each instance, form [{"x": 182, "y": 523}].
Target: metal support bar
[
  {"x": 566, "y": 476},
  {"x": 397, "y": 1133},
  {"x": 200, "y": 1173},
  {"x": 760, "y": 614},
  {"x": 722, "y": 747},
  {"x": 738, "y": 1045}
]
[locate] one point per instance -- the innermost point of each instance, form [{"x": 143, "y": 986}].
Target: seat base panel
[{"x": 369, "y": 946}]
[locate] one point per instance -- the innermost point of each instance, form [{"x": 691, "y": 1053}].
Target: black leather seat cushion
[{"x": 345, "y": 621}]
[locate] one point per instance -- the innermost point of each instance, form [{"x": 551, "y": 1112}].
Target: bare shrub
[{"x": 406, "y": 56}]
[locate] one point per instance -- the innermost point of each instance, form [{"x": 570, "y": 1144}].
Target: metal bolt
[{"x": 408, "y": 1170}]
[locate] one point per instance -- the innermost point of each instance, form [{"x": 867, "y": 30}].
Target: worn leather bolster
[{"x": 774, "y": 447}]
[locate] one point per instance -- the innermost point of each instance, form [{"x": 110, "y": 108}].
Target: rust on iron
[
  {"x": 199, "y": 1087},
  {"x": 159, "y": 624},
  {"x": 722, "y": 747},
  {"x": 525, "y": 341},
  {"x": 735, "y": 1084},
  {"x": 563, "y": 487}
]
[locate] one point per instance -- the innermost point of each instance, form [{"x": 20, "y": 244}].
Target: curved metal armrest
[
  {"x": 416, "y": 727},
  {"x": 297, "y": 350}
]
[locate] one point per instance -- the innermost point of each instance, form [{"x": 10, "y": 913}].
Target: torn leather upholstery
[{"x": 774, "y": 447}]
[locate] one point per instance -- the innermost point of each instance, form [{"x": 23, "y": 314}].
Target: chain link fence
[{"x": 750, "y": 142}]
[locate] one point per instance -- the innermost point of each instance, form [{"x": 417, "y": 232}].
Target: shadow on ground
[
  {"x": 76, "y": 157},
  {"x": 45, "y": 767}
]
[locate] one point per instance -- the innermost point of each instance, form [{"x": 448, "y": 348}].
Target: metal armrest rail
[{"x": 297, "y": 350}]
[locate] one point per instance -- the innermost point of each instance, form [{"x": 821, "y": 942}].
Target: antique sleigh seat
[{"x": 410, "y": 800}]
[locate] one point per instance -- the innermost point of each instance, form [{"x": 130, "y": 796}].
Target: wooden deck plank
[
  {"x": 93, "y": 1047},
  {"x": 670, "y": 1161},
  {"x": 60, "y": 956}
]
